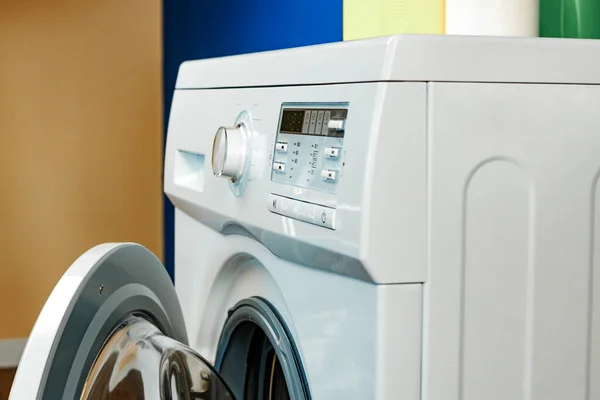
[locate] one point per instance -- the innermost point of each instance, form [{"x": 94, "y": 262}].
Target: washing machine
[{"x": 409, "y": 217}]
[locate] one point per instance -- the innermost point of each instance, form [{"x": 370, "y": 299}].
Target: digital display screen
[
  {"x": 317, "y": 122},
  {"x": 292, "y": 121}
]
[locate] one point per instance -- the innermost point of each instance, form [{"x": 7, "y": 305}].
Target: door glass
[{"x": 138, "y": 362}]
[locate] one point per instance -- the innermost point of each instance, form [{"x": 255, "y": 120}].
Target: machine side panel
[
  {"x": 496, "y": 280},
  {"x": 594, "y": 334},
  {"x": 394, "y": 246},
  {"x": 510, "y": 305},
  {"x": 399, "y": 341}
]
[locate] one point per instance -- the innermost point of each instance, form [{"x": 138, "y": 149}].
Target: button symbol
[
  {"x": 279, "y": 166},
  {"x": 281, "y": 146},
  {"x": 323, "y": 217},
  {"x": 328, "y": 175},
  {"x": 331, "y": 152},
  {"x": 274, "y": 203}
]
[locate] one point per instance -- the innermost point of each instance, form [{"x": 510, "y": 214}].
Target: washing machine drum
[{"x": 113, "y": 329}]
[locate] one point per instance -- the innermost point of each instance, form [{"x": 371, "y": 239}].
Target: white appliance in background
[{"x": 411, "y": 217}]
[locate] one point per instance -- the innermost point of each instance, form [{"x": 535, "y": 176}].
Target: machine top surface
[{"x": 404, "y": 58}]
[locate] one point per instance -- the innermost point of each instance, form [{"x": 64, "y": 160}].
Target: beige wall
[{"x": 80, "y": 140}]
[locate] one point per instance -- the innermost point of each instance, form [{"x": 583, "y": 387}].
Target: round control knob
[{"x": 229, "y": 152}]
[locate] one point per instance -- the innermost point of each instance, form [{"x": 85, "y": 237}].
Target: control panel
[
  {"x": 309, "y": 144},
  {"x": 308, "y": 153}
]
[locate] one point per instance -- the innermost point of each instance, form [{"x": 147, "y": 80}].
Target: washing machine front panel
[
  {"x": 352, "y": 337},
  {"x": 195, "y": 117},
  {"x": 113, "y": 326},
  {"x": 304, "y": 184}
]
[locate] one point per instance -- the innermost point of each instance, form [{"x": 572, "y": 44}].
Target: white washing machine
[{"x": 411, "y": 218}]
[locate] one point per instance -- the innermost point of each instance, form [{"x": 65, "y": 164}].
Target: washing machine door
[{"x": 113, "y": 329}]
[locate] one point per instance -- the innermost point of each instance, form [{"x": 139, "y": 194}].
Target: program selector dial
[{"x": 229, "y": 152}]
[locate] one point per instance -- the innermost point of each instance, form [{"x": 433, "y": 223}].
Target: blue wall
[{"x": 206, "y": 29}]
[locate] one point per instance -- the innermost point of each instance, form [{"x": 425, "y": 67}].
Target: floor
[{"x": 6, "y": 378}]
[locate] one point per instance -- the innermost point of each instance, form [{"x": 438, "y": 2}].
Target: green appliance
[{"x": 570, "y": 18}]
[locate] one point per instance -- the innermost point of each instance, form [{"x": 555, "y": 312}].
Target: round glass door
[
  {"x": 113, "y": 329},
  {"x": 139, "y": 362}
]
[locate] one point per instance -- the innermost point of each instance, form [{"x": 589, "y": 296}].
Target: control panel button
[
  {"x": 313, "y": 122},
  {"x": 331, "y": 152},
  {"x": 275, "y": 203},
  {"x": 336, "y": 124},
  {"x": 326, "y": 118},
  {"x": 287, "y": 205},
  {"x": 279, "y": 167},
  {"x": 281, "y": 146},
  {"x": 306, "y": 122},
  {"x": 303, "y": 211},
  {"x": 328, "y": 175},
  {"x": 325, "y": 216},
  {"x": 319, "y": 127}
]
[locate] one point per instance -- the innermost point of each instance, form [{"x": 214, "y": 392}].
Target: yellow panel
[
  {"x": 80, "y": 140},
  {"x": 371, "y": 18}
]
